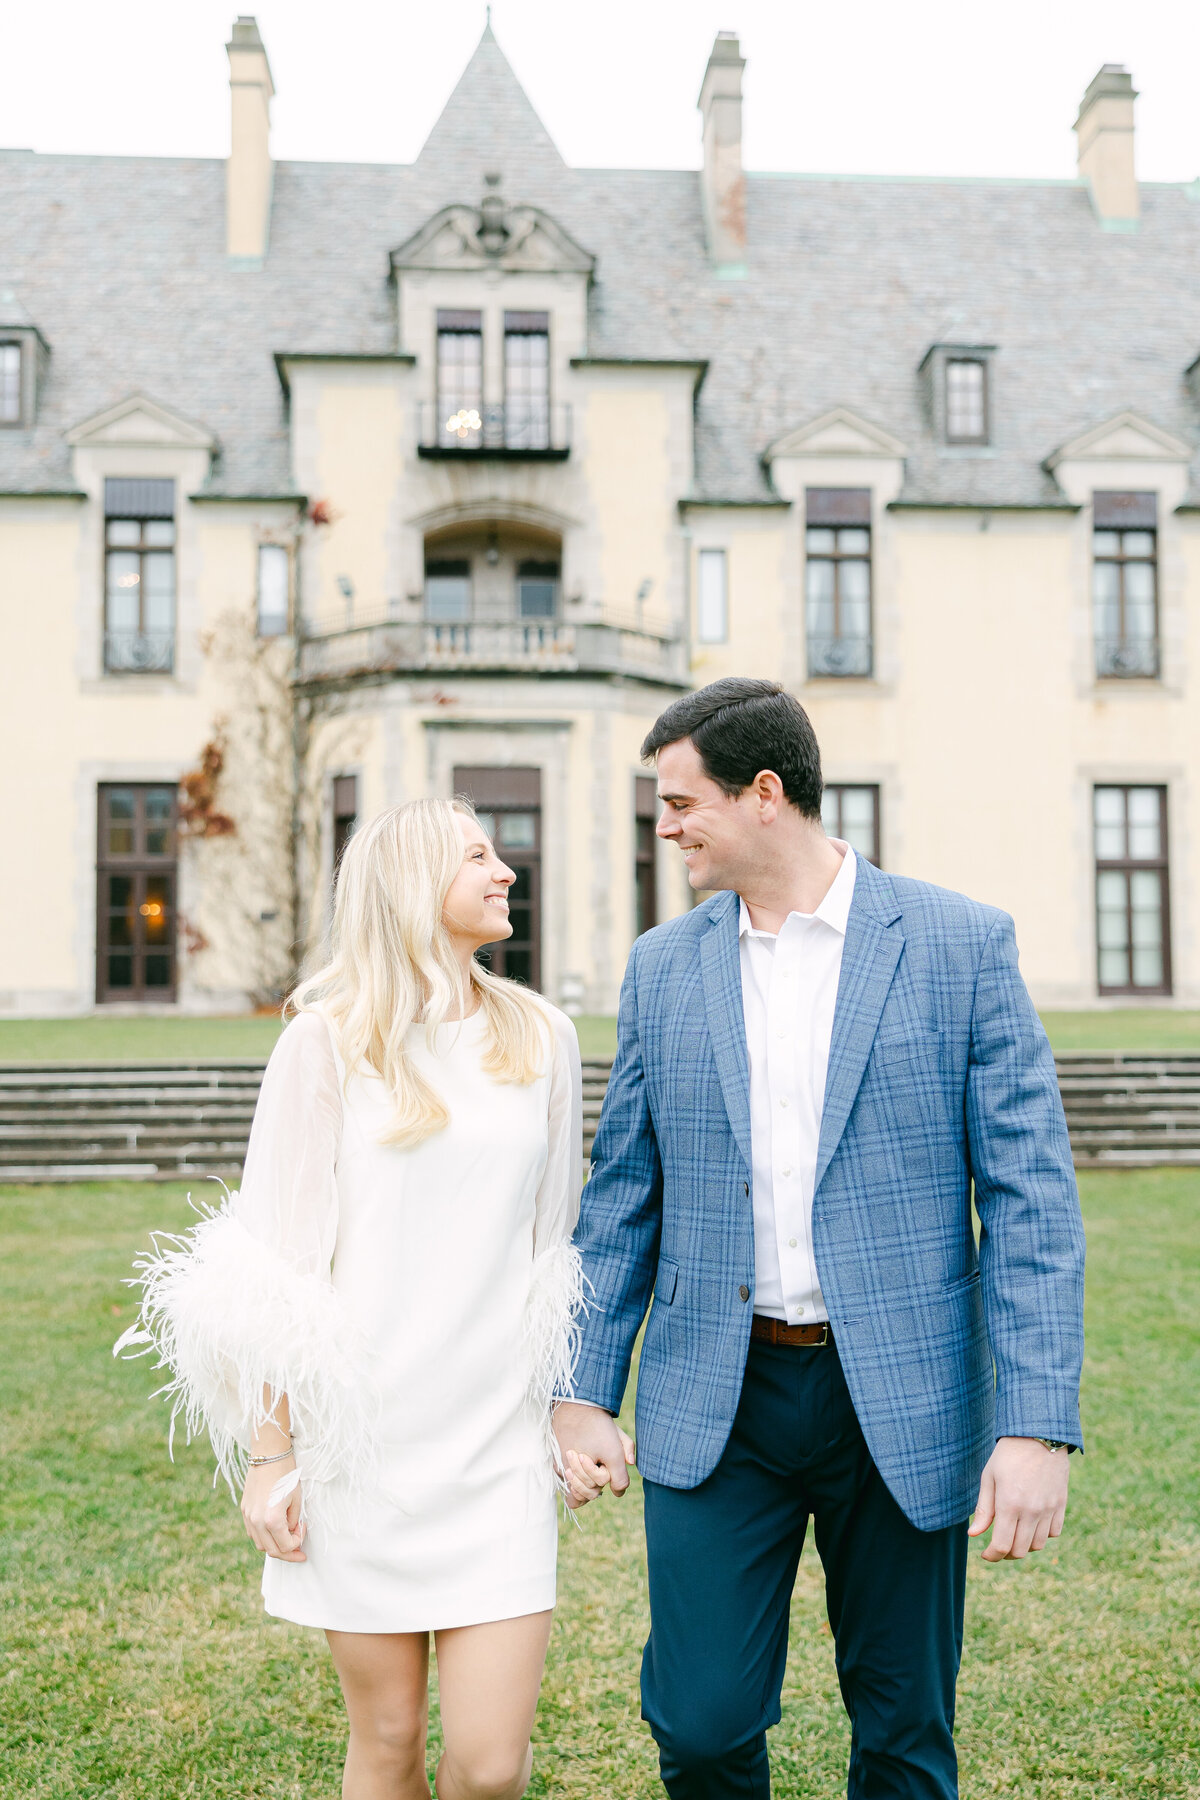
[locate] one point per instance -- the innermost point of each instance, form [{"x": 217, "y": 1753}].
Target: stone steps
[{"x": 159, "y": 1122}]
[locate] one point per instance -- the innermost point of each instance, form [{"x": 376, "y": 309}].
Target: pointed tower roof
[{"x": 488, "y": 122}]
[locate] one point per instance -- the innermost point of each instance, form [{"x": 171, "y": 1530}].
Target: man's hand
[
  {"x": 1023, "y": 1494},
  {"x": 595, "y": 1451}
]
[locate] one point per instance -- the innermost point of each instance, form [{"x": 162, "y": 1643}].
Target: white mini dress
[{"x": 418, "y": 1307}]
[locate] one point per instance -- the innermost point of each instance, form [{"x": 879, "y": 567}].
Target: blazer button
[
  {"x": 745, "y": 1187},
  {"x": 743, "y": 1292}
]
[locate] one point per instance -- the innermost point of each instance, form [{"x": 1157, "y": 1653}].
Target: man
[{"x": 813, "y": 1067}]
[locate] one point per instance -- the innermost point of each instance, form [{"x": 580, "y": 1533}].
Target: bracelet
[{"x": 260, "y": 1462}]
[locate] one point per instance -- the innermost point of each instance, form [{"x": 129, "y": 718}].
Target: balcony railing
[
  {"x": 330, "y": 652},
  {"x": 1126, "y": 657},
  {"x": 139, "y": 652},
  {"x": 839, "y": 656},
  {"x": 530, "y": 430}
]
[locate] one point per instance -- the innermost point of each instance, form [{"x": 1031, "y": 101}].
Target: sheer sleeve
[
  {"x": 556, "y": 1288},
  {"x": 242, "y": 1310}
]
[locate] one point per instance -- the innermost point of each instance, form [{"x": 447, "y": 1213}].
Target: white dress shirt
[{"x": 789, "y": 988}]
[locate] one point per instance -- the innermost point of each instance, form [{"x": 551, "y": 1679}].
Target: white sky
[{"x": 878, "y": 86}]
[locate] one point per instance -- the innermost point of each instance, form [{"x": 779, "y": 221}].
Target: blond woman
[{"x": 380, "y": 1319}]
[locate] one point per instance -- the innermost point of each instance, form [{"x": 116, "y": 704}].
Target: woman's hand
[
  {"x": 587, "y": 1477},
  {"x": 275, "y": 1528}
]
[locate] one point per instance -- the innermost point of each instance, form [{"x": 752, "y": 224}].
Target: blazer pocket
[
  {"x": 664, "y": 1281},
  {"x": 919, "y": 1045}
]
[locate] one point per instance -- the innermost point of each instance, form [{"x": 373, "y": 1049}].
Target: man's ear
[{"x": 768, "y": 791}]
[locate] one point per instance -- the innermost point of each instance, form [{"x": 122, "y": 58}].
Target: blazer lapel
[
  {"x": 721, "y": 968},
  {"x": 870, "y": 953}
]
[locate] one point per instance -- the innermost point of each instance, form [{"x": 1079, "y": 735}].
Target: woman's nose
[{"x": 505, "y": 876}]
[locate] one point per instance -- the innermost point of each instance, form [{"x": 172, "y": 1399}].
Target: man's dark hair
[{"x": 740, "y": 727}]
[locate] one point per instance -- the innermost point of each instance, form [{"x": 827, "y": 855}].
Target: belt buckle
[{"x": 824, "y": 1338}]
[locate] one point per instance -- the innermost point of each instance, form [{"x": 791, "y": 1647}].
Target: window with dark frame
[
  {"x": 838, "y": 581},
  {"x": 135, "y": 892},
  {"x": 527, "y": 380},
  {"x": 448, "y": 592},
  {"x": 645, "y": 853},
  {"x": 345, "y": 815},
  {"x": 966, "y": 400},
  {"x": 459, "y": 377},
  {"x": 1125, "y": 584},
  {"x": 850, "y": 811},
  {"x": 509, "y": 805},
  {"x": 274, "y": 582},
  {"x": 1133, "y": 937},
  {"x": 537, "y": 589},
  {"x": 139, "y": 576},
  {"x": 10, "y": 384}
]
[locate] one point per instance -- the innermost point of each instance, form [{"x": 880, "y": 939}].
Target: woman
[{"x": 384, "y": 1313}]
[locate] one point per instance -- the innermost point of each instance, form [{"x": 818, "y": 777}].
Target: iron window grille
[{"x": 1133, "y": 937}]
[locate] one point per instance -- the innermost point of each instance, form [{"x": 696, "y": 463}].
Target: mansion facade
[{"x": 326, "y": 486}]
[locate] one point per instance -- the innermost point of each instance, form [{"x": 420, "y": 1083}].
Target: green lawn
[
  {"x": 100, "y": 1039},
  {"x": 135, "y": 1663},
  {"x": 174, "y": 1039}
]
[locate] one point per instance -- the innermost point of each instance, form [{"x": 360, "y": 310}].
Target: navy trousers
[{"x": 723, "y": 1559}]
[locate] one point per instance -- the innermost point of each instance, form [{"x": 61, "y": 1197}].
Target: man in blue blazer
[{"x": 817, "y": 1068}]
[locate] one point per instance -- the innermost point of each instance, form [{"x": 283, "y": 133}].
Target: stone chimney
[
  {"x": 722, "y": 184},
  {"x": 1105, "y": 131},
  {"x": 248, "y": 172}
]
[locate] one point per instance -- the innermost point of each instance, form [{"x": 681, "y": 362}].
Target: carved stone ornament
[{"x": 493, "y": 235}]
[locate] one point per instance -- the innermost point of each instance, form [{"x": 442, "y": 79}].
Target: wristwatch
[{"x": 1053, "y": 1444}]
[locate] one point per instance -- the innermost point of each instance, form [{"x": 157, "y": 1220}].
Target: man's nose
[{"x": 668, "y": 825}]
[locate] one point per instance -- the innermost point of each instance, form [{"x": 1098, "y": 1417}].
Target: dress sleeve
[
  {"x": 242, "y": 1309},
  {"x": 556, "y": 1298}
]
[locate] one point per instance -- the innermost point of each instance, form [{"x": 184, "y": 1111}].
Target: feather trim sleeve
[
  {"x": 556, "y": 1292},
  {"x": 241, "y": 1309}
]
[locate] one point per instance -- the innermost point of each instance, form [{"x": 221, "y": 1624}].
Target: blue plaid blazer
[{"x": 940, "y": 1075}]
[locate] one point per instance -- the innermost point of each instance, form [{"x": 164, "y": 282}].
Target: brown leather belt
[{"x": 774, "y": 1331}]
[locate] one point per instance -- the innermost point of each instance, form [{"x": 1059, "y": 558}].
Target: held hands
[
  {"x": 1023, "y": 1495},
  {"x": 275, "y": 1527},
  {"x": 595, "y": 1452}
]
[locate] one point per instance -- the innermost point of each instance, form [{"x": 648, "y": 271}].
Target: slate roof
[{"x": 121, "y": 262}]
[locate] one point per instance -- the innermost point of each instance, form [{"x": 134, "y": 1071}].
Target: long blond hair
[{"x": 392, "y": 965}]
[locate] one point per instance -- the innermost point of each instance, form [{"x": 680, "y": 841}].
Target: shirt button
[
  {"x": 782, "y": 1100},
  {"x": 799, "y": 1312},
  {"x": 791, "y": 1243},
  {"x": 785, "y": 1171},
  {"x": 743, "y": 1292}
]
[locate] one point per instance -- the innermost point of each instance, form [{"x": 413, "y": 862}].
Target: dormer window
[
  {"x": 966, "y": 400},
  {"x": 957, "y": 380},
  {"x": 10, "y": 384}
]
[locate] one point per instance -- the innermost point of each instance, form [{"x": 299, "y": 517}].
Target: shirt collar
[{"x": 834, "y": 909}]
